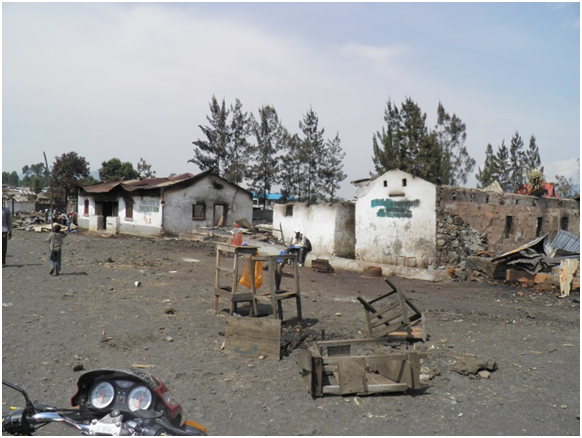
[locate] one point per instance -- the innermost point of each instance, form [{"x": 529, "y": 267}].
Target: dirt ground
[{"x": 94, "y": 315}]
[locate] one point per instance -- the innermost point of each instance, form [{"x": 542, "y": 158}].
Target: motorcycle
[{"x": 108, "y": 402}]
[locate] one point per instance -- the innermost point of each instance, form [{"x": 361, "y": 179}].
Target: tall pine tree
[
  {"x": 386, "y": 143},
  {"x": 532, "y": 156},
  {"x": 489, "y": 172},
  {"x": 332, "y": 167},
  {"x": 211, "y": 153},
  {"x": 456, "y": 163},
  {"x": 503, "y": 167},
  {"x": 238, "y": 148},
  {"x": 264, "y": 173},
  {"x": 311, "y": 151},
  {"x": 516, "y": 163},
  {"x": 406, "y": 143},
  {"x": 291, "y": 168}
]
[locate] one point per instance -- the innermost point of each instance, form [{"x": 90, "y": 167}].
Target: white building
[
  {"x": 159, "y": 206},
  {"x": 329, "y": 227},
  {"x": 396, "y": 220}
]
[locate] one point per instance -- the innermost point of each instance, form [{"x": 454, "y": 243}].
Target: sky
[{"x": 134, "y": 80}]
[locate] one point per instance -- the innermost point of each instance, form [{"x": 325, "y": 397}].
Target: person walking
[
  {"x": 55, "y": 240},
  {"x": 6, "y": 232}
]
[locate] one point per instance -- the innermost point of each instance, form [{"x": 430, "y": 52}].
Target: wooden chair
[
  {"x": 231, "y": 290},
  {"x": 399, "y": 317},
  {"x": 275, "y": 293}
]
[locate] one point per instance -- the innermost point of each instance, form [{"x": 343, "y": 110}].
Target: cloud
[
  {"x": 372, "y": 53},
  {"x": 567, "y": 168}
]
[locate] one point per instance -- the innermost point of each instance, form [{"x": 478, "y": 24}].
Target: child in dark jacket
[{"x": 55, "y": 240}]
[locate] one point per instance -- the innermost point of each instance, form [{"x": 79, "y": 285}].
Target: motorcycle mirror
[{"x": 29, "y": 404}]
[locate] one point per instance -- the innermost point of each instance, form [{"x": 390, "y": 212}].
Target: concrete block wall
[{"x": 470, "y": 220}]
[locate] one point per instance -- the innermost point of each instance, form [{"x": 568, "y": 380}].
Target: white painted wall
[
  {"x": 212, "y": 190},
  {"x": 147, "y": 215},
  {"x": 396, "y": 223},
  {"x": 329, "y": 227}
]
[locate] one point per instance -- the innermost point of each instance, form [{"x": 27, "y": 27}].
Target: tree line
[
  {"x": 70, "y": 170},
  {"x": 260, "y": 152},
  {"x": 439, "y": 155}
]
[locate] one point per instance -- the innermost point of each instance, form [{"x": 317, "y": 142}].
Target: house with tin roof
[{"x": 163, "y": 206}]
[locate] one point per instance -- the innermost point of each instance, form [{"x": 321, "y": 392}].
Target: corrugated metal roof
[
  {"x": 155, "y": 183},
  {"x": 101, "y": 188},
  {"x": 566, "y": 241},
  {"x": 539, "y": 244},
  {"x": 144, "y": 184}
]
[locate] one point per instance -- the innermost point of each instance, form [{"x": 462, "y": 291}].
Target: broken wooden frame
[
  {"x": 399, "y": 317},
  {"x": 328, "y": 367}
]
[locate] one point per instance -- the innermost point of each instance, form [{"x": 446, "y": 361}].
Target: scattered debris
[
  {"x": 372, "y": 272},
  {"x": 538, "y": 254},
  {"x": 567, "y": 269},
  {"x": 135, "y": 365},
  {"x": 323, "y": 266},
  {"x": 471, "y": 365},
  {"x": 328, "y": 367},
  {"x": 398, "y": 317}
]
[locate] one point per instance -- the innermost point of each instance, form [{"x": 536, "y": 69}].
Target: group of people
[
  {"x": 55, "y": 239},
  {"x": 46, "y": 216}
]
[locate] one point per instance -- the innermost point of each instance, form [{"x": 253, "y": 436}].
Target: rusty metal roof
[
  {"x": 101, "y": 188},
  {"x": 155, "y": 183},
  {"x": 143, "y": 184}
]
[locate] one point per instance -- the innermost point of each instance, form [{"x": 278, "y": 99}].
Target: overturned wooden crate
[
  {"x": 253, "y": 337},
  {"x": 329, "y": 367},
  {"x": 392, "y": 314}
]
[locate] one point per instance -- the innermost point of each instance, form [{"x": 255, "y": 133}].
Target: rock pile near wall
[{"x": 456, "y": 240}]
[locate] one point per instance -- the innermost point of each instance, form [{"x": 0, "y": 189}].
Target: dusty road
[{"x": 94, "y": 315}]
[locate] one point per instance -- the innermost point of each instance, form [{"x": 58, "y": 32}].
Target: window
[
  {"x": 539, "y": 226},
  {"x": 564, "y": 223},
  {"x": 385, "y": 183},
  {"x": 403, "y": 182},
  {"x": 508, "y": 222},
  {"x": 199, "y": 211},
  {"x": 129, "y": 210},
  {"x": 86, "y": 208},
  {"x": 289, "y": 210}
]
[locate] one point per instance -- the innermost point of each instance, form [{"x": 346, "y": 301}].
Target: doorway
[{"x": 219, "y": 219}]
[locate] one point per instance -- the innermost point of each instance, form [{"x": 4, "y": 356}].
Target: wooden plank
[
  {"x": 389, "y": 329},
  {"x": 372, "y": 389},
  {"x": 304, "y": 360},
  {"x": 378, "y": 313},
  {"x": 253, "y": 337},
  {"x": 352, "y": 375}
]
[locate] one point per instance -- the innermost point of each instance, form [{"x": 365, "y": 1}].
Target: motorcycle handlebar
[{"x": 21, "y": 423}]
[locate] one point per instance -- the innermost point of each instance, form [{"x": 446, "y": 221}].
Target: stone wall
[{"x": 470, "y": 220}]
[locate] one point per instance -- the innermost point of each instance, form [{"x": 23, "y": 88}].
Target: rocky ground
[{"x": 94, "y": 316}]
